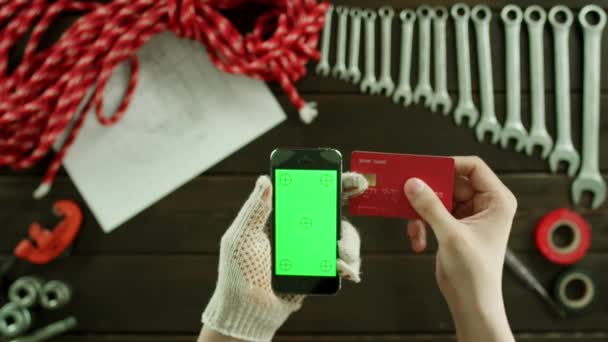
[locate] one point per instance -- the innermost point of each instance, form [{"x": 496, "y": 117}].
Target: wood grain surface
[{"x": 151, "y": 279}]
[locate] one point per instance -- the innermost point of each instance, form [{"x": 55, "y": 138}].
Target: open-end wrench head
[
  {"x": 565, "y": 154},
  {"x": 339, "y": 71},
  {"x": 369, "y": 86},
  {"x": 560, "y": 16},
  {"x": 353, "y": 75},
  {"x": 322, "y": 69},
  {"x": 481, "y": 14},
  {"x": 543, "y": 140},
  {"x": 460, "y": 11},
  {"x": 466, "y": 110},
  {"x": 516, "y": 133},
  {"x": 535, "y": 15},
  {"x": 488, "y": 127},
  {"x": 423, "y": 91},
  {"x": 386, "y": 86},
  {"x": 593, "y": 184},
  {"x": 403, "y": 95},
  {"x": 443, "y": 101}
]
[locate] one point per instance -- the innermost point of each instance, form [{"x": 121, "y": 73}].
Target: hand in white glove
[{"x": 243, "y": 304}]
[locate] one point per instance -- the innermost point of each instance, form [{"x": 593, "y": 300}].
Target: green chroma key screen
[{"x": 305, "y": 222}]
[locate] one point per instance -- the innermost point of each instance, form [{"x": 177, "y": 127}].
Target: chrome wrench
[
  {"x": 353, "y": 73},
  {"x": 560, "y": 18},
  {"x": 323, "y": 66},
  {"x": 465, "y": 108},
  {"x": 423, "y": 89},
  {"x": 369, "y": 83},
  {"x": 535, "y": 18},
  {"x": 386, "y": 84},
  {"x": 404, "y": 90},
  {"x": 339, "y": 69},
  {"x": 513, "y": 129},
  {"x": 441, "y": 98},
  {"x": 488, "y": 123},
  {"x": 590, "y": 178}
]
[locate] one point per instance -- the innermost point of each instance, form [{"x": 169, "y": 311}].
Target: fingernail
[{"x": 413, "y": 187}]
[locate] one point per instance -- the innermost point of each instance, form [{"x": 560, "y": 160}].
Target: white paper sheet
[{"x": 185, "y": 117}]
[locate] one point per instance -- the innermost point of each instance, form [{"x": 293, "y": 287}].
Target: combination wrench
[
  {"x": 590, "y": 178},
  {"x": 323, "y": 66},
  {"x": 339, "y": 69},
  {"x": 560, "y": 17},
  {"x": 369, "y": 83},
  {"x": 535, "y": 18},
  {"x": 488, "y": 123},
  {"x": 423, "y": 89},
  {"x": 513, "y": 129},
  {"x": 353, "y": 73},
  {"x": 385, "y": 83},
  {"x": 403, "y": 93},
  {"x": 465, "y": 108},
  {"x": 441, "y": 98}
]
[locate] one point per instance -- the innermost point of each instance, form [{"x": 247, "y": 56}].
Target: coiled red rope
[{"x": 43, "y": 95}]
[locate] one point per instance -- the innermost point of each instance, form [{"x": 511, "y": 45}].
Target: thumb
[
  {"x": 257, "y": 208},
  {"x": 430, "y": 208}
]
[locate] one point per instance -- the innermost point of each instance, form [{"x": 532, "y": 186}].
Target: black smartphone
[{"x": 306, "y": 220}]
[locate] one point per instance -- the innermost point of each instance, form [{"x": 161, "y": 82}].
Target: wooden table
[{"x": 151, "y": 279}]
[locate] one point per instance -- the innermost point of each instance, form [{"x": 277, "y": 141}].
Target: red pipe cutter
[{"x": 45, "y": 245}]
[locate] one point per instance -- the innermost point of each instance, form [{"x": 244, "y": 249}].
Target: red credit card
[{"x": 387, "y": 174}]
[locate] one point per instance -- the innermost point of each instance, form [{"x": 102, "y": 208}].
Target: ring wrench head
[
  {"x": 407, "y": 15},
  {"x": 592, "y": 17},
  {"x": 386, "y": 12},
  {"x": 535, "y": 15},
  {"x": 424, "y": 11},
  {"x": 560, "y": 16},
  {"x": 460, "y": 11},
  {"x": 481, "y": 14},
  {"x": 511, "y": 15},
  {"x": 369, "y": 14}
]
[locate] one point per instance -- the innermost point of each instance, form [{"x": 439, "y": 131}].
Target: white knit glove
[{"x": 243, "y": 304}]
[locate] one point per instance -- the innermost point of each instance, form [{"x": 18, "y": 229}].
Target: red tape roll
[{"x": 576, "y": 249}]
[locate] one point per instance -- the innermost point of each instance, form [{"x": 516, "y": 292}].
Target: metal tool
[
  {"x": 323, "y": 66},
  {"x": 403, "y": 93},
  {"x": 513, "y": 128},
  {"x": 590, "y": 178},
  {"x": 560, "y": 18},
  {"x": 339, "y": 69},
  {"x": 55, "y": 295},
  {"x": 441, "y": 98},
  {"x": 488, "y": 123},
  {"x": 386, "y": 84},
  {"x": 14, "y": 320},
  {"x": 535, "y": 18},
  {"x": 465, "y": 108},
  {"x": 26, "y": 291},
  {"x": 423, "y": 88},
  {"x": 369, "y": 83},
  {"x": 522, "y": 273},
  {"x": 50, "y": 331},
  {"x": 353, "y": 73}
]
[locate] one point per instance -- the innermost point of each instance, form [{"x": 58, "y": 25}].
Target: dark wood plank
[
  {"x": 166, "y": 294},
  {"x": 192, "y": 219},
  {"x": 583, "y": 337}
]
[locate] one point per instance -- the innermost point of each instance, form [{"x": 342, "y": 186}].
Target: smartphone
[{"x": 306, "y": 220}]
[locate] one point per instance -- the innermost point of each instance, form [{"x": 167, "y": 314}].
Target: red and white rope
[{"x": 40, "y": 98}]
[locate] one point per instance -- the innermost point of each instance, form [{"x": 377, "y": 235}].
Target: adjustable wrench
[
  {"x": 511, "y": 16},
  {"x": 535, "y": 18},
  {"x": 339, "y": 69},
  {"x": 560, "y": 18},
  {"x": 488, "y": 123},
  {"x": 590, "y": 179},
  {"x": 353, "y": 73},
  {"x": 465, "y": 108},
  {"x": 423, "y": 88},
  {"x": 386, "y": 84},
  {"x": 441, "y": 98},
  {"x": 323, "y": 66},
  {"x": 404, "y": 90},
  {"x": 369, "y": 83}
]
